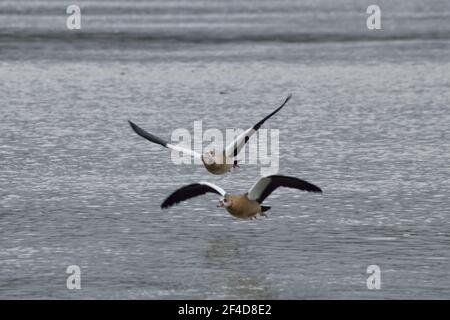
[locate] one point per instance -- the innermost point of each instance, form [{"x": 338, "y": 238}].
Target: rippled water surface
[{"x": 368, "y": 123}]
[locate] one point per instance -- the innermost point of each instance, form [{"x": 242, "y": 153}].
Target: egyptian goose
[
  {"x": 216, "y": 163},
  {"x": 243, "y": 206}
]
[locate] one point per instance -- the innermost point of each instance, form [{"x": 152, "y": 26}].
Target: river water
[{"x": 368, "y": 123}]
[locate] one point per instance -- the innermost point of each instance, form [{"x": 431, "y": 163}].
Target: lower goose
[{"x": 243, "y": 206}]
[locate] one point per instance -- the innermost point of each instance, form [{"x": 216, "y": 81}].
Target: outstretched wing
[
  {"x": 265, "y": 186},
  {"x": 152, "y": 138},
  {"x": 191, "y": 191},
  {"x": 235, "y": 147}
]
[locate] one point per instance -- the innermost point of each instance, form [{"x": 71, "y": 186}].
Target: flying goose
[
  {"x": 216, "y": 163},
  {"x": 243, "y": 206}
]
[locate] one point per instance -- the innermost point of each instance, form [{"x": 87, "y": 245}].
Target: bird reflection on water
[{"x": 225, "y": 254}]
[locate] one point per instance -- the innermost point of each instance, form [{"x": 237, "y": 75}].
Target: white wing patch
[
  {"x": 184, "y": 150},
  {"x": 238, "y": 143},
  {"x": 217, "y": 188},
  {"x": 258, "y": 188}
]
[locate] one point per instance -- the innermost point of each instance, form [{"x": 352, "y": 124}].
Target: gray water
[{"x": 368, "y": 123}]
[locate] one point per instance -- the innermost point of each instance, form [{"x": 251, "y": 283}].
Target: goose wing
[
  {"x": 235, "y": 147},
  {"x": 191, "y": 191},
  {"x": 265, "y": 186},
  {"x": 152, "y": 138}
]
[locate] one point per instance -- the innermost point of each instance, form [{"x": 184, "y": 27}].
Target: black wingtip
[
  {"x": 166, "y": 204},
  {"x": 133, "y": 126},
  {"x": 317, "y": 190},
  {"x": 259, "y": 124},
  {"x": 288, "y": 98},
  {"x": 146, "y": 135},
  {"x": 313, "y": 188},
  {"x": 294, "y": 182}
]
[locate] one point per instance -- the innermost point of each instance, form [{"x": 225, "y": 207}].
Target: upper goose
[
  {"x": 243, "y": 206},
  {"x": 215, "y": 162}
]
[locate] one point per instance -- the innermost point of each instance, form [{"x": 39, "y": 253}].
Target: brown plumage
[
  {"x": 217, "y": 164},
  {"x": 240, "y": 206}
]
